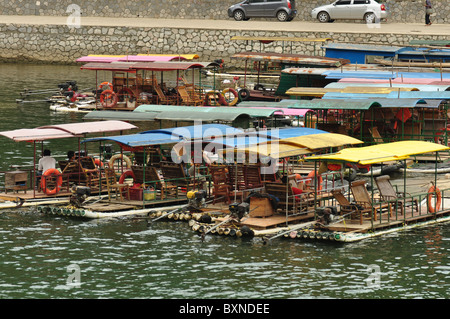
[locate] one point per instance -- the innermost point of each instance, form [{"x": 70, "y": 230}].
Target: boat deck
[{"x": 353, "y": 226}]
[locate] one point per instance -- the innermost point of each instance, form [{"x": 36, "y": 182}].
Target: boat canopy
[
  {"x": 306, "y": 141},
  {"x": 132, "y": 67},
  {"x": 381, "y": 152},
  {"x": 136, "y": 58},
  {"x": 66, "y": 130},
  {"x": 170, "y": 135},
  {"x": 320, "y": 92},
  {"x": 420, "y": 87},
  {"x": 204, "y": 112},
  {"x": 290, "y": 58},
  {"x": 384, "y": 75},
  {"x": 129, "y": 58}
]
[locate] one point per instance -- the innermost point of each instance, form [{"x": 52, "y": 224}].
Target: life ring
[
  {"x": 105, "y": 84},
  {"x": 244, "y": 94},
  {"x": 98, "y": 162},
  {"x": 229, "y": 91},
  {"x": 59, "y": 180},
  {"x": 211, "y": 95},
  {"x": 108, "y": 98},
  {"x": 124, "y": 158},
  {"x": 126, "y": 174},
  {"x": 310, "y": 177},
  {"x": 434, "y": 190}
]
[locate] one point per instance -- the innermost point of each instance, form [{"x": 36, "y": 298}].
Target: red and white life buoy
[
  {"x": 108, "y": 98},
  {"x": 103, "y": 86},
  {"x": 430, "y": 201},
  {"x": 59, "y": 180},
  {"x": 125, "y": 175},
  {"x": 231, "y": 96}
]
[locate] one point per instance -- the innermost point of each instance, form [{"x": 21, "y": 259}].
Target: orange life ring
[
  {"x": 125, "y": 175},
  {"x": 98, "y": 162},
  {"x": 105, "y": 84},
  {"x": 434, "y": 190},
  {"x": 108, "y": 98},
  {"x": 59, "y": 180},
  {"x": 310, "y": 177}
]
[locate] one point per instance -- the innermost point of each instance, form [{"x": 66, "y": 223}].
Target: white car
[{"x": 370, "y": 11}]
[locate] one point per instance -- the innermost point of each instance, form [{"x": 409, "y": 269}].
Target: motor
[
  {"x": 196, "y": 199},
  {"x": 238, "y": 211},
  {"x": 79, "y": 195},
  {"x": 326, "y": 215}
]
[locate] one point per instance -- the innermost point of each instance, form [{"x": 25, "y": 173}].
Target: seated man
[{"x": 46, "y": 162}]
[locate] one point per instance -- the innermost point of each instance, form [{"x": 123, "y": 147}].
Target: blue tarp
[
  {"x": 170, "y": 135},
  {"x": 197, "y": 131}
]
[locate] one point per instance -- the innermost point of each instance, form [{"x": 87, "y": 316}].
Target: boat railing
[{"x": 413, "y": 207}]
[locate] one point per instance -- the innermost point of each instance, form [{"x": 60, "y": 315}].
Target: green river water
[{"x": 126, "y": 258}]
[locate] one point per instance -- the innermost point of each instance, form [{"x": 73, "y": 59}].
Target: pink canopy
[{"x": 66, "y": 130}]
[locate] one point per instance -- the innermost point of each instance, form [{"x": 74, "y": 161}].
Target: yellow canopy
[
  {"x": 299, "y": 145},
  {"x": 381, "y": 152},
  {"x": 318, "y": 141}
]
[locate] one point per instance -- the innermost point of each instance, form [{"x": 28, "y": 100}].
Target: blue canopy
[
  {"x": 197, "y": 131},
  {"x": 169, "y": 135}
]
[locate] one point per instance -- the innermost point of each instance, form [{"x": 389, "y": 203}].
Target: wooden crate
[
  {"x": 16, "y": 181},
  {"x": 260, "y": 207}
]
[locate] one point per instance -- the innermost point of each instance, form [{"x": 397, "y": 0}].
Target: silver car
[
  {"x": 368, "y": 10},
  {"x": 283, "y": 10}
]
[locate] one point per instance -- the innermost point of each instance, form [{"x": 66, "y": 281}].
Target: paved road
[{"x": 230, "y": 24}]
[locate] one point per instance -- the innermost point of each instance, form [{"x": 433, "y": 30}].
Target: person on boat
[
  {"x": 428, "y": 9},
  {"x": 46, "y": 162},
  {"x": 70, "y": 156}
]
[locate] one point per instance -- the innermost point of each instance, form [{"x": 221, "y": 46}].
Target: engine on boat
[
  {"x": 239, "y": 210},
  {"x": 196, "y": 199},
  {"x": 79, "y": 195},
  {"x": 325, "y": 215}
]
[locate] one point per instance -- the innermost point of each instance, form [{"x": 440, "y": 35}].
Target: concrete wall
[
  {"x": 410, "y": 11},
  {"x": 59, "y": 44}
]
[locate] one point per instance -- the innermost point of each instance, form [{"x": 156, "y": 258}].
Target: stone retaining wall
[
  {"x": 409, "y": 11},
  {"x": 60, "y": 44}
]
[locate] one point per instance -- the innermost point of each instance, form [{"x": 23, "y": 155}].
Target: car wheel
[
  {"x": 323, "y": 17},
  {"x": 238, "y": 15},
  {"x": 369, "y": 18},
  {"x": 282, "y": 16}
]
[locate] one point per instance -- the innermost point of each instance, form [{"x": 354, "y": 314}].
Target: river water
[{"x": 55, "y": 257}]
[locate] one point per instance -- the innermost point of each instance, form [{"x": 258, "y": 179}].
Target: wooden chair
[
  {"x": 164, "y": 99},
  {"x": 295, "y": 203},
  {"x": 362, "y": 197},
  {"x": 113, "y": 186},
  {"x": 252, "y": 176},
  {"x": 388, "y": 193},
  {"x": 236, "y": 177},
  {"x": 221, "y": 188},
  {"x": 346, "y": 207},
  {"x": 376, "y": 135},
  {"x": 186, "y": 98},
  {"x": 175, "y": 174}
]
